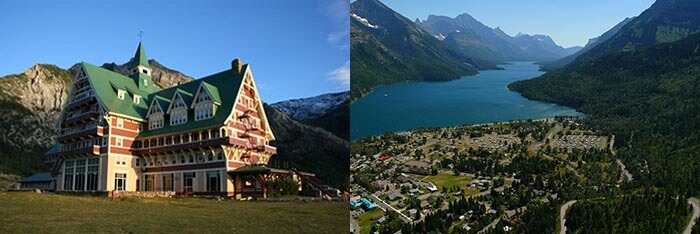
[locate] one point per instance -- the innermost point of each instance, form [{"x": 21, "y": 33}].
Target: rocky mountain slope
[
  {"x": 312, "y": 148},
  {"x": 312, "y": 107},
  {"x": 29, "y": 105},
  {"x": 162, "y": 76},
  {"x": 328, "y": 111},
  {"x": 389, "y": 48}
]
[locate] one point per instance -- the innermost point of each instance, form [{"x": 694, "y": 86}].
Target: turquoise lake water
[{"x": 483, "y": 98}]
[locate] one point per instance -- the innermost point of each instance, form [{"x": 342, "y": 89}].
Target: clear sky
[
  {"x": 295, "y": 48},
  {"x": 568, "y": 22}
]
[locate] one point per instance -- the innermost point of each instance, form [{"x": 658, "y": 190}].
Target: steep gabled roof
[
  {"x": 106, "y": 83},
  {"x": 226, "y": 99}
]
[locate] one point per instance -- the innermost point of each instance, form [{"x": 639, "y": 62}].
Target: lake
[{"x": 483, "y": 98}]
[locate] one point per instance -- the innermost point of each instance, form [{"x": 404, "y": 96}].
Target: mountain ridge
[{"x": 394, "y": 49}]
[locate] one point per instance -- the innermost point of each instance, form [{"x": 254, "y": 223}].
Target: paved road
[
  {"x": 562, "y": 216},
  {"x": 696, "y": 212}
]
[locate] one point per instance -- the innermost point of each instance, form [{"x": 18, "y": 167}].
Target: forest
[{"x": 649, "y": 99}]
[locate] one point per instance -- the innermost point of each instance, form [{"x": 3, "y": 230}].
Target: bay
[{"x": 483, "y": 98}]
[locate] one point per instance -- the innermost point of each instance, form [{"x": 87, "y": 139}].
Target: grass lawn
[
  {"x": 366, "y": 221},
  {"x": 24, "y": 212},
  {"x": 449, "y": 180}
]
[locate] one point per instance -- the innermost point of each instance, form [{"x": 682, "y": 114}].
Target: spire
[{"x": 140, "y": 57}]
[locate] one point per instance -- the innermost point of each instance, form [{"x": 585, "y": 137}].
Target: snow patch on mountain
[
  {"x": 312, "y": 107},
  {"x": 364, "y": 21}
]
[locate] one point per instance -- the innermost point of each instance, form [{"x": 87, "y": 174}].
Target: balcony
[
  {"x": 81, "y": 118},
  {"x": 81, "y": 135},
  {"x": 90, "y": 150},
  {"x": 189, "y": 145},
  {"x": 81, "y": 101}
]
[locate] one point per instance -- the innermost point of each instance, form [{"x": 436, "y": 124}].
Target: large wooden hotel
[{"x": 207, "y": 136}]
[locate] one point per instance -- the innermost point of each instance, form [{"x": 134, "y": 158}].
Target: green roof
[
  {"x": 140, "y": 57},
  {"x": 106, "y": 83},
  {"x": 187, "y": 90}
]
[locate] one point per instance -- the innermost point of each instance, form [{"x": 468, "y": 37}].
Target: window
[
  {"x": 213, "y": 181},
  {"x": 68, "y": 175},
  {"x": 120, "y": 123},
  {"x": 144, "y": 72},
  {"x": 120, "y": 94},
  {"x": 220, "y": 155},
  {"x": 138, "y": 162},
  {"x": 156, "y": 121},
  {"x": 178, "y": 116},
  {"x": 210, "y": 157},
  {"x": 119, "y": 181},
  {"x": 137, "y": 98},
  {"x": 174, "y": 159},
  {"x": 80, "y": 175},
  {"x": 191, "y": 159},
  {"x": 168, "y": 182},
  {"x": 120, "y": 142},
  {"x": 92, "y": 171}
]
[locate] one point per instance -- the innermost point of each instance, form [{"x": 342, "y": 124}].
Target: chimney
[{"x": 236, "y": 66}]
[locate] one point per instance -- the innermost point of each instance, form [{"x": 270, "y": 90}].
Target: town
[{"x": 476, "y": 179}]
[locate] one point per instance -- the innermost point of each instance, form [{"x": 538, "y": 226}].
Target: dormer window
[
  {"x": 144, "y": 72},
  {"x": 137, "y": 99},
  {"x": 120, "y": 94}
]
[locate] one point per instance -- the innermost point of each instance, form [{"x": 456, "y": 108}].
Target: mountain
[
  {"x": 312, "y": 107},
  {"x": 649, "y": 98},
  {"x": 664, "y": 21},
  {"x": 312, "y": 148},
  {"x": 492, "y": 44},
  {"x": 556, "y": 64},
  {"x": 162, "y": 76},
  {"x": 31, "y": 101},
  {"x": 387, "y": 48},
  {"x": 539, "y": 47},
  {"x": 328, "y": 111}
]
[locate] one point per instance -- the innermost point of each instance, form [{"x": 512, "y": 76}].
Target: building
[
  {"x": 209, "y": 136},
  {"x": 42, "y": 181}
]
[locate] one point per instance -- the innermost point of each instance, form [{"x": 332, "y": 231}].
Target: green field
[
  {"x": 23, "y": 212},
  {"x": 366, "y": 221},
  {"x": 448, "y": 180}
]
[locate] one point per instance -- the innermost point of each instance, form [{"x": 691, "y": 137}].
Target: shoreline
[{"x": 472, "y": 125}]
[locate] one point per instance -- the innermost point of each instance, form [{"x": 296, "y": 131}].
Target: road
[
  {"x": 383, "y": 205},
  {"x": 619, "y": 162},
  {"x": 562, "y": 216},
  {"x": 696, "y": 212}
]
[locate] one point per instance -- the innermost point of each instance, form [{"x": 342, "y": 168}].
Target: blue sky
[
  {"x": 569, "y": 23},
  {"x": 295, "y": 48}
]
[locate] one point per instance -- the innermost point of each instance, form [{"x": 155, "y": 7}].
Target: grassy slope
[{"x": 32, "y": 213}]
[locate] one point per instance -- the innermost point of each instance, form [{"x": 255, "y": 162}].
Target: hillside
[
  {"x": 649, "y": 98},
  {"x": 312, "y": 148},
  {"x": 556, "y": 64},
  {"x": 664, "y": 21},
  {"x": 388, "y": 48},
  {"x": 329, "y": 111}
]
